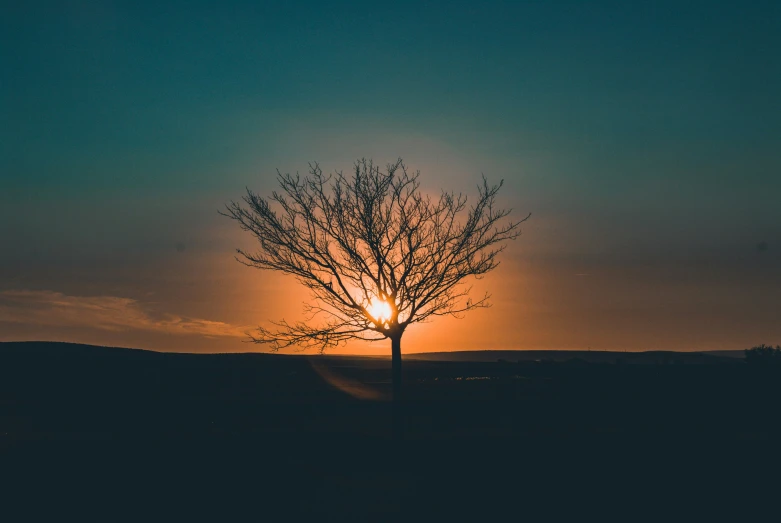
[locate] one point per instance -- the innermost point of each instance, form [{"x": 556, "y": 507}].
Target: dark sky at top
[{"x": 643, "y": 136}]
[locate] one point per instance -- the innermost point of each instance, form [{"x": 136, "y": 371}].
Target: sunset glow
[{"x": 380, "y": 310}]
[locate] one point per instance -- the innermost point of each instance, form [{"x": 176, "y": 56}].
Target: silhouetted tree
[
  {"x": 763, "y": 355},
  {"x": 372, "y": 238}
]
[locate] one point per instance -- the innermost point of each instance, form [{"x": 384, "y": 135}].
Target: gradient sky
[{"x": 644, "y": 137}]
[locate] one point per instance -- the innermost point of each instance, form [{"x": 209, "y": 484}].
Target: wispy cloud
[{"x": 110, "y": 313}]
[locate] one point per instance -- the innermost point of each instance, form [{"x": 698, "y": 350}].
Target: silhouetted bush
[{"x": 764, "y": 355}]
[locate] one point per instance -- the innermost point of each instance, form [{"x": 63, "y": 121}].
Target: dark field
[{"x": 90, "y": 433}]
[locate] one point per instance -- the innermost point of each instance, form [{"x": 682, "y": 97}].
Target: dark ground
[{"x": 99, "y": 434}]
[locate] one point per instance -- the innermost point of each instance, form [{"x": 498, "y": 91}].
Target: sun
[{"x": 380, "y": 310}]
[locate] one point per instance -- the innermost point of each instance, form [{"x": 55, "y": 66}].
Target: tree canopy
[{"x": 367, "y": 237}]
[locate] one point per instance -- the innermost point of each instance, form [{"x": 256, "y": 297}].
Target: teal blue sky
[{"x": 643, "y": 136}]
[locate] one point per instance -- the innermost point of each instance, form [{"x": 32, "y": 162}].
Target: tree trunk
[
  {"x": 398, "y": 422},
  {"x": 396, "y": 365}
]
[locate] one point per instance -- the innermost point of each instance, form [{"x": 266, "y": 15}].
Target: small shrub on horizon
[{"x": 763, "y": 355}]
